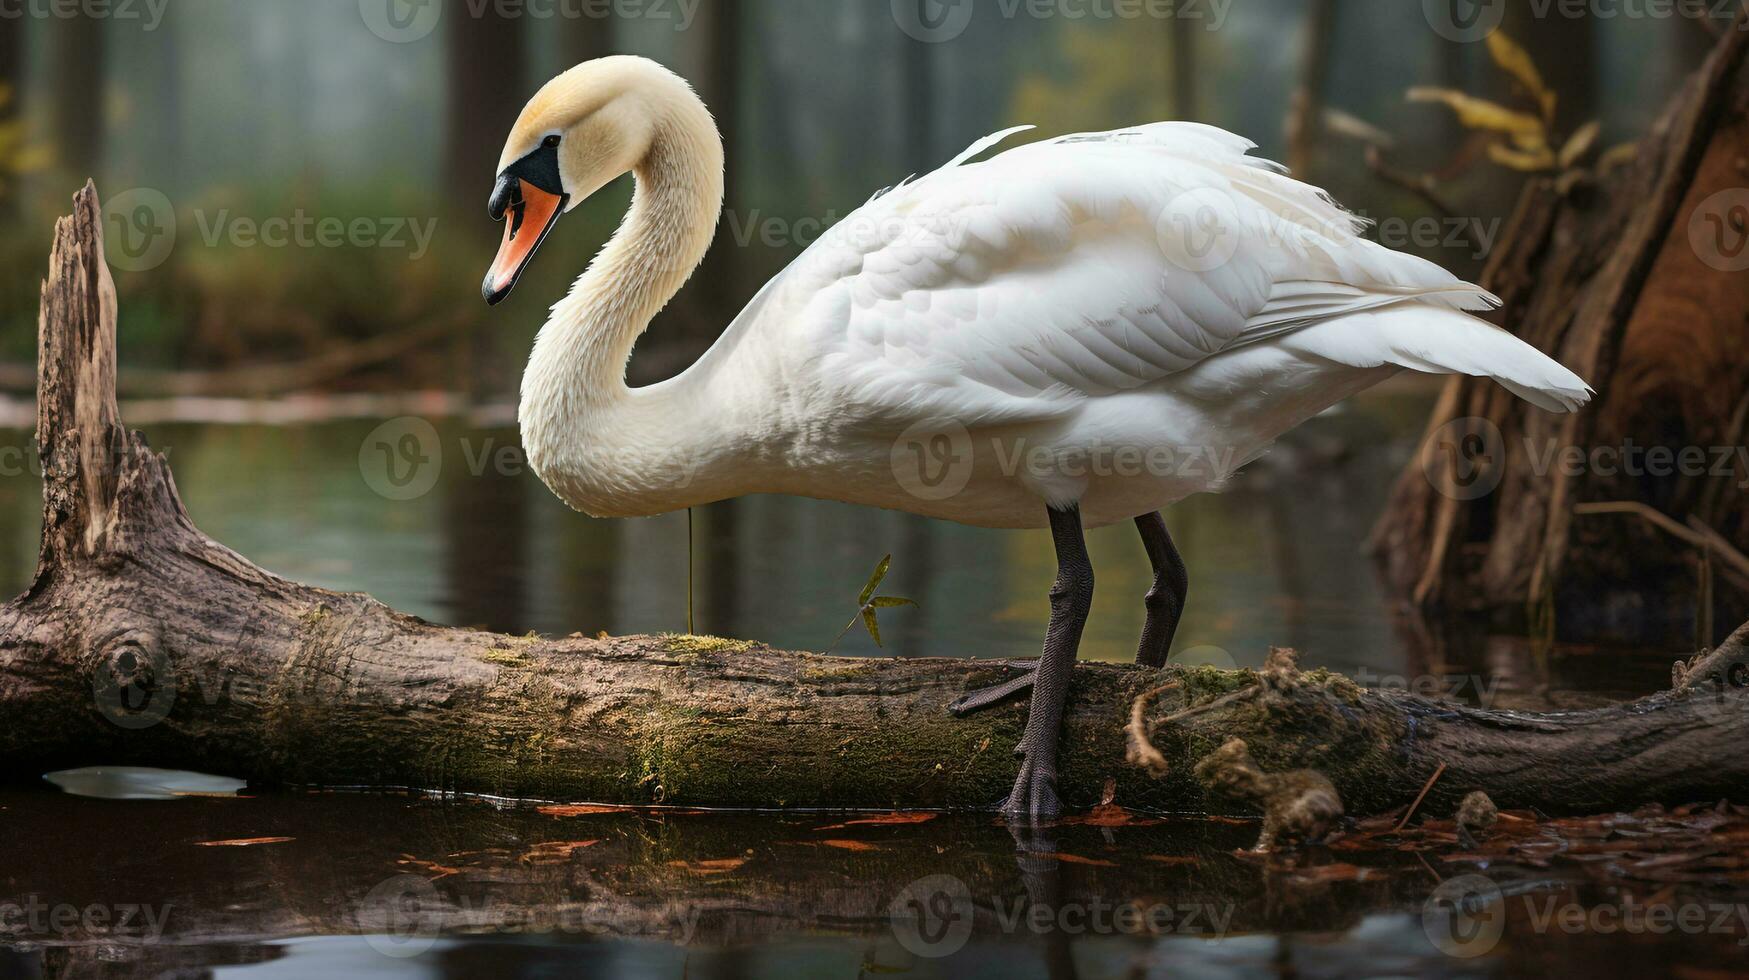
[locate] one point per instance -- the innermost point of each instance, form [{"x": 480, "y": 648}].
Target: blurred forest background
[{"x": 241, "y": 111}]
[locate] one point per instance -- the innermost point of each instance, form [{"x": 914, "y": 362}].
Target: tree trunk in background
[
  {"x": 1305, "y": 115},
  {"x": 487, "y": 88},
  {"x": 486, "y": 538},
  {"x": 1182, "y": 50},
  {"x": 1565, "y": 51},
  {"x": 721, "y": 286},
  {"x": 164, "y": 138},
  {"x": 584, "y": 39},
  {"x": 1634, "y": 279},
  {"x": 80, "y": 78},
  {"x": 488, "y": 60}
]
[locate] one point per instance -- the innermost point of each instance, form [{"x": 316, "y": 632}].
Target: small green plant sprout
[{"x": 868, "y": 602}]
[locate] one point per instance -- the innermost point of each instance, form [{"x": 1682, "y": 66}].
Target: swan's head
[{"x": 580, "y": 132}]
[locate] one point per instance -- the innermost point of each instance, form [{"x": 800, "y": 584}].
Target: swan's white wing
[{"x": 1018, "y": 287}]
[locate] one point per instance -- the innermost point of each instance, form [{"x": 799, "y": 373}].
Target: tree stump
[{"x": 1635, "y": 278}]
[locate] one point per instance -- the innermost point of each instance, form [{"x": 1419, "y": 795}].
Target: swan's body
[
  {"x": 1097, "y": 325},
  {"x": 1028, "y": 301}
]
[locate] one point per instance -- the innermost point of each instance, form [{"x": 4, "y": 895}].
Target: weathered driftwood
[
  {"x": 142, "y": 641},
  {"x": 1627, "y": 276}
]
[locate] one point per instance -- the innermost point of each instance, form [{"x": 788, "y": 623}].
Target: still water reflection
[{"x": 321, "y": 885}]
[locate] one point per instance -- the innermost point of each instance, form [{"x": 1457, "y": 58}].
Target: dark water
[
  {"x": 365, "y": 886},
  {"x": 335, "y": 886}
]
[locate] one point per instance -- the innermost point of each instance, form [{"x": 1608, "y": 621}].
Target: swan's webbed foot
[{"x": 1034, "y": 796}]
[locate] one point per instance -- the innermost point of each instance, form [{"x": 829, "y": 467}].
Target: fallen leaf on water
[
  {"x": 1325, "y": 873},
  {"x": 850, "y": 845},
  {"x": 556, "y": 851},
  {"x": 579, "y": 809},
  {"x": 1111, "y": 815},
  {"x": 1078, "y": 859},
  {"x": 244, "y": 842},
  {"x": 883, "y": 820},
  {"x": 442, "y": 871},
  {"x": 713, "y": 866}
]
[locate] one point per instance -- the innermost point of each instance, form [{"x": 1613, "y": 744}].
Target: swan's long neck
[{"x": 604, "y": 448}]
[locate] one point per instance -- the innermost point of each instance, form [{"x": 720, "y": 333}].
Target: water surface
[{"x": 312, "y": 884}]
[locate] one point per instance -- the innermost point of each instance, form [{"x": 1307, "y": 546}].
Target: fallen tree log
[{"x": 142, "y": 641}]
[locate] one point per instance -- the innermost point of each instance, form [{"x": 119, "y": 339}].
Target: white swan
[{"x": 1078, "y": 331}]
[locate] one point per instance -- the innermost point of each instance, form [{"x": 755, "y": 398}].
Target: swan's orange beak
[{"x": 529, "y": 200}]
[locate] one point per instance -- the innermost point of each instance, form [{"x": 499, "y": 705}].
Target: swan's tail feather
[{"x": 1440, "y": 340}]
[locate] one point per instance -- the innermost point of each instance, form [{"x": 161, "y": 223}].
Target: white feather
[{"x": 1154, "y": 290}]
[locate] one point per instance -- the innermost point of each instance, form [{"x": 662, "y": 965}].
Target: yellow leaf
[
  {"x": 31, "y": 159},
  {"x": 1479, "y": 113},
  {"x": 1515, "y": 61},
  {"x": 1617, "y": 156},
  {"x": 1536, "y": 142},
  {"x": 1530, "y": 162},
  {"x": 1579, "y": 143}
]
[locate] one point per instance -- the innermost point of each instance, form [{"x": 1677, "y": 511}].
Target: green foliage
[{"x": 867, "y": 603}]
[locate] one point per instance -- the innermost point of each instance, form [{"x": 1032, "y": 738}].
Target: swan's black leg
[
  {"x": 1165, "y": 600},
  {"x": 1165, "y": 603},
  {"x": 1035, "y": 788}
]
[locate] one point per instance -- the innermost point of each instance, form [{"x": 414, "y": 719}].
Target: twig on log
[
  {"x": 1420, "y": 796},
  {"x": 1140, "y": 750}
]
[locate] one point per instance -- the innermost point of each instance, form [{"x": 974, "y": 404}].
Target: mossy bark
[{"x": 142, "y": 641}]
